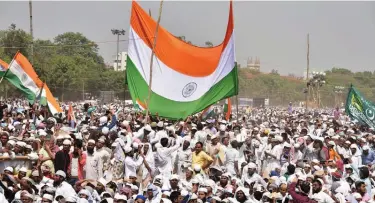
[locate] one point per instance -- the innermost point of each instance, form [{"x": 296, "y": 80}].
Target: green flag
[{"x": 360, "y": 109}]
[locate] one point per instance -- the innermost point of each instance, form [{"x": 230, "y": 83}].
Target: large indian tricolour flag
[
  {"x": 186, "y": 79},
  {"x": 22, "y": 75}
]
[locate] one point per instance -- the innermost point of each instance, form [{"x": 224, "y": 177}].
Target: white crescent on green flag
[
  {"x": 360, "y": 109},
  {"x": 185, "y": 78},
  {"x": 22, "y": 75}
]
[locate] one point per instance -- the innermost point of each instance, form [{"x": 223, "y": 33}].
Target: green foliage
[
  {"x": 14, "y": 39},
  {"x": 283, "y": 89},
  {"x": 70, "y": 64}
]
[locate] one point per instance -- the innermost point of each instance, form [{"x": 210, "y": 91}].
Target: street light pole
[
  {"x": 118, "y": 33},
  {"x": 31, "y": 32}
]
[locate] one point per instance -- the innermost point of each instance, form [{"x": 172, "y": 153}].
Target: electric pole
[
  {"x": 118, "y": 33},
  {"x": 307, "y": 69},
  {"x": 31, "y": 32}
]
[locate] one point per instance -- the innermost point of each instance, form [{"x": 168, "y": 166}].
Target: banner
[{"x": 360, "y": 109}]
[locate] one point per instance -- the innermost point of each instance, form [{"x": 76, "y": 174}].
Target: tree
[
  {"x": 13, "y": 40},
  {"x": 275, "y": 72},
  {"x": 71, "y": 44},
  {"x": 209, "y": 44}
]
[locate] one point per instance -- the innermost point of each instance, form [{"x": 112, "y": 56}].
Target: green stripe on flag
[
  {"x": 12, "y": 78},
  {"x": 138, "y": 88}
]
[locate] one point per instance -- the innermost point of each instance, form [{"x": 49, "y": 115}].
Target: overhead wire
[{"x": 70, "y": 45}]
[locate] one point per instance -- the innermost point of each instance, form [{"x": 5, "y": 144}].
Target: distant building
[
  {"x": 120, "y": 64},
  {"x": 253, "y": 64}
]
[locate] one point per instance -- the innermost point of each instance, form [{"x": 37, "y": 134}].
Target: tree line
[{"x": 70, "y": 65}]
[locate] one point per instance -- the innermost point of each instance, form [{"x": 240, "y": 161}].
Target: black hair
[
  {"x": 358, "y": 184},
  {"x": 317, "y": 181},
  {"x": 291, "y": 169},
  {"x": 364, "y": 172},
  {"x": 319, "y": 142},
  {"x": 174, "y": 195},
  {"x": 78, "y": 144},
  {"x": 234, "y": 144},
  {"x": 305, "y": 187},
  {"x": 164, "y": 142},
  {"x": 199, "y": 126}
]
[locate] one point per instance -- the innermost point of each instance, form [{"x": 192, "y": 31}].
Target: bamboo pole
[
  {"x": 152, "y": 57},
  {"x": 307, "y": 71}
]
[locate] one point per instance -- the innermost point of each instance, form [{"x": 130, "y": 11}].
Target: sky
[{"x": 342, "y": 34}]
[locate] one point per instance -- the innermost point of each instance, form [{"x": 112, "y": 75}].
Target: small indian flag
[
  {"x": 140, "y": 105},
  {"x": 208, "y": 112},
  {"x": 227, "y": 108},
  {"x": 3, "y": 68},
  {"x": 22, "y": 75}
]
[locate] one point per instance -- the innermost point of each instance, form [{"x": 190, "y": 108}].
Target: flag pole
[
  {"x": 39, "y": 97},
  {"x": 152, "y": 57},
  {"x": 237, "y": 107}
]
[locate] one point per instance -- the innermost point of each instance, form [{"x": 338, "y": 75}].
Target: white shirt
[
  {"x": 165, "y": 156},
  {"x": 131, "y": 166},
  {"x": 201, "y": 136},
  {"x": 74, "y": 167},
  {"x": 322, "y": 197},
  {"x": 183, "y": 160},
  {"x": 65, "y": 190},
  {"x": 231, "y": 155},
  {"x": 94, "y": 166}
]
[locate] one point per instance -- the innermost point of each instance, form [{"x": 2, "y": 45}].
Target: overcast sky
[{"x": 342, "y": 34}]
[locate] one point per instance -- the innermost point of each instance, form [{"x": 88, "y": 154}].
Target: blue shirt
[{"x": 369, "y": 158}]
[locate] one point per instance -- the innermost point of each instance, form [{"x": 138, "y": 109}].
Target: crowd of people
[{"x": 114, "y": 153}]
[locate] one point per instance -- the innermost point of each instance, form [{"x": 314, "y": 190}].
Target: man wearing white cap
[
  {"x": 27, "y": 197},
  {"x": 250, "y": 174},
  {"x": 62, "y": 158},
  {"x": 368, "y": 156},
  {"x": 164, "y": 154},
  {"x": 216, "y": 150},
  {"x": 94, "y": 165},
  {"x": 355, "y": 156},
  {"x": 183, "y": 158},
  {"x": 131, "y": 166},
  {"x": 101, "y": 150},
  {"x": 62, "y": 187},
  {"x": 47, "y": 198}
]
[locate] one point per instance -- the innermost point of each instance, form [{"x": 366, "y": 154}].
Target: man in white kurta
[
  {"x": 94, "y": 165},
  {"x": 231, "y": 158}
]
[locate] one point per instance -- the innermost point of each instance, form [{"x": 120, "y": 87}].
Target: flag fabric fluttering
[
  {"x": 227, "y": 108},
  {"x": 186, "y": 79},
  {"x": 22, "y": 75},
  {"x": 3, "y": 70},
  {"x": 140, "y": 106},
  {"x": 360, "y": 109},
  {"x": 208, "y": 112}
]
